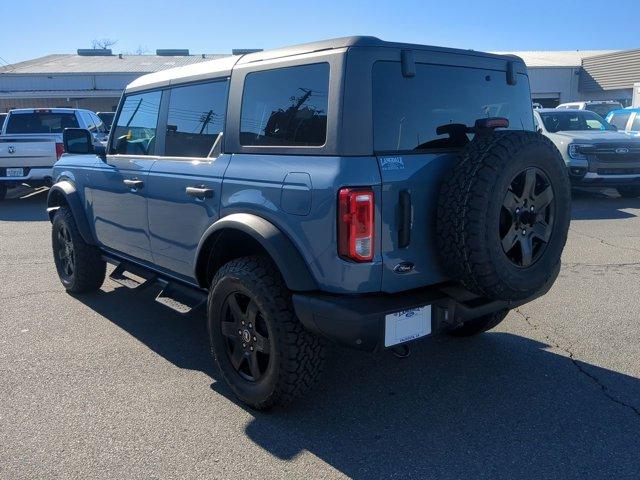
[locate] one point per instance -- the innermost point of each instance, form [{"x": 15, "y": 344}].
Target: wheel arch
[
  {"x": 242, "y": 234},
  {"x": 65, "y": 194}
]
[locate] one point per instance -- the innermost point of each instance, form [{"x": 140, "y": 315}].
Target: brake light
[
  {"x": 356, "y": 224},
  {"x": 59, "y": 150}
]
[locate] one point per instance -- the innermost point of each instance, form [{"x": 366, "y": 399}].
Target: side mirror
[
  {"x": 539, "y": 130},
  {"x": 77, "y": 140},
  {"x": 613, "y": 127}
]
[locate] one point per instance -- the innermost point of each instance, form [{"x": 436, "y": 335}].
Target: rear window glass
[
  {"x": 286, "y": 107},
  {"x": 408, "y": 110},
  {"x": 196, "y": 118},
  {"x": 572, "y": 121},
  {"x": 620, "y": 120},
  {"x": 602, "y": 109},
  {"x": 41, "y": 122}
]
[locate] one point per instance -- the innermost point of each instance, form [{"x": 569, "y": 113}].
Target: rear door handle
[
  {"x": 199, "y": 192},
  {"x": 134, "y": 183}
]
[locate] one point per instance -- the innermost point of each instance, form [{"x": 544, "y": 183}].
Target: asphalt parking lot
[{"x": 113, "y": 385}]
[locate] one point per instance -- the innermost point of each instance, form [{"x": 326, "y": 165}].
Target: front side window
[
  {"x": 135, "y": 129},
  {"x": 196, "y": 118},
  {"x": 410, "y": 111},
  {"x": 635, "y": 126},
  {"x": 572, "y": 121},
  {"x": 41, "y": 121},
  {"x": 286, "y": 106}
]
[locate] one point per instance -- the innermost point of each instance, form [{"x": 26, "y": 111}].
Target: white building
[{"x": 94, "y": 79}]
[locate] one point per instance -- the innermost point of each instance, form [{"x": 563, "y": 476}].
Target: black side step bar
[
  {"x": 181, "y": 298},
  {"x": 174, "y": 295}
]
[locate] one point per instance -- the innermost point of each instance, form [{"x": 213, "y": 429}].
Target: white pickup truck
[{"x": 31, "y": 142}]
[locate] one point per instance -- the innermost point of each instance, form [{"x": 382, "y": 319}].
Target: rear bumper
[
  {"x": 33, "y": 174},
  {"x": 359, "y": 321}
]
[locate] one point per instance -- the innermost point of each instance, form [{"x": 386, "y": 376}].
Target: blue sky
[{"x": 35, "y": 28}]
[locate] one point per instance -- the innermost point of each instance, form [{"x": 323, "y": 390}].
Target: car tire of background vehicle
[
  {"x": 261, "y": 349},
  {"x": 80, "y": 266},
  {"x": 3, "y": 191},
  {"x": 629, "y": 191},
  {"x": 478, "y": 325},
  {"x": 504, "y": 213}
]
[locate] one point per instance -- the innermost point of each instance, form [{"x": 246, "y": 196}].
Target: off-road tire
[
  {"x": 89, "y": 268},
  {"x": 479, "y": 325},
  {"x": 3, "y": 191},
  {"x": 629, "y": 191},
  {"x": 469, "y": 211},
  {"x": 296, "y": 356}
]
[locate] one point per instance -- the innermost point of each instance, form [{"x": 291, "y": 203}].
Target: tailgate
[
  {"x": 27, "y": 152},
  {"x": 416, "y": 178}
]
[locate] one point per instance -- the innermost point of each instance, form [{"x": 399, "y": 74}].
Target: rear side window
[
  {"x": 41, "y": 122},
  {"x": 286, "y": 106},
  {"x": 135, "y": 129},
  {"x": 409, "y": 110},
  {"x": 196, "y": 118},
  {"x": 620, "y": 120}
]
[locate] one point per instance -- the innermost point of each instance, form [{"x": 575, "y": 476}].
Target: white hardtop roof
[{"x": 189, "y": 73}]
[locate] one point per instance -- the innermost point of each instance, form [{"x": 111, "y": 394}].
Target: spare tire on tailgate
[{"x": 503, "y": 214}]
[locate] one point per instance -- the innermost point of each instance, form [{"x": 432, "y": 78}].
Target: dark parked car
[
  {"x": 354, "y": 190},
  {"x": 107, "y": 118}
]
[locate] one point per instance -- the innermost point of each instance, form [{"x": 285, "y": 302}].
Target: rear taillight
[
  {"x": 356, "y": 224},
  {"x": 59, "y": 150}
]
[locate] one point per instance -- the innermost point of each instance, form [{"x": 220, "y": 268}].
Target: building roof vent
[
  {"x": 173, "y": 52},
  {"x": 244, "y": 51},
  {"x": 94, "y": 52}
]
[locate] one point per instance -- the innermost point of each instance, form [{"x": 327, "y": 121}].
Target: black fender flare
[
  {"x": 66, "y": 190},
  {"x": 280, "y": 248}
]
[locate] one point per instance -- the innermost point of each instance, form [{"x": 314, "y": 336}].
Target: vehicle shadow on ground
[
  {"x": 495, "y": 406},
  {"x": 601, "y": 205},
  {"x": 24, "y": 205}
]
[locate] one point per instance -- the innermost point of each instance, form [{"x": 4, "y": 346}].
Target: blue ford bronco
[{"x": 353, "y": 190}]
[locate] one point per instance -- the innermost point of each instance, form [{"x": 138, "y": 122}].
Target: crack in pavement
[
  {"x": 633, "y": 264},
  {"x": 567, "y": 350},
  {"x": 603, "y": 241}
]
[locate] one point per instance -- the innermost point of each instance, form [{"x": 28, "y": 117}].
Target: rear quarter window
[
  {"x": 41, "y": 122},
  {"x": 408, "y": 110},
  {"x": 285, "y": 106}
]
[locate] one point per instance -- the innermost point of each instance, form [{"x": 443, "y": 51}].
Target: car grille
[{"x": 609, "y": 152}]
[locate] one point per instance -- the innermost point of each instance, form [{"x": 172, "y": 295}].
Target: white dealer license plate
[
  {"x": 407, "y": 325},
  {"x": 15, "y": 172}
]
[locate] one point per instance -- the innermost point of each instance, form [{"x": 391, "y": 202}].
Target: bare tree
[{"x": 102, "y": 43}]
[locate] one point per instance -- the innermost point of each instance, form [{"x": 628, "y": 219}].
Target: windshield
[
  {"x": 40, "y": 122},
  {"x": 563, "y": 121},
  {"x": 408, "y": 110}
]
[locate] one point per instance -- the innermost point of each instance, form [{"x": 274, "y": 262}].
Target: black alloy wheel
[
  {"x": 246, "y": 336},
  {"x": 63, "y": 248},
  {"x": 527, "y": 217}
]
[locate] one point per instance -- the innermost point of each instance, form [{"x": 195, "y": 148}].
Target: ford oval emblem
[
  {"x": 622, "y": 150},
  {"x": 404, "y": 267}
]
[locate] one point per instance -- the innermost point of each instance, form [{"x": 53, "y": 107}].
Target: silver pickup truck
[{"x": 31, "y": 142}]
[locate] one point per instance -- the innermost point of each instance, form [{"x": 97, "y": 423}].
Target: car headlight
[{"x": 575, "y": 150}]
